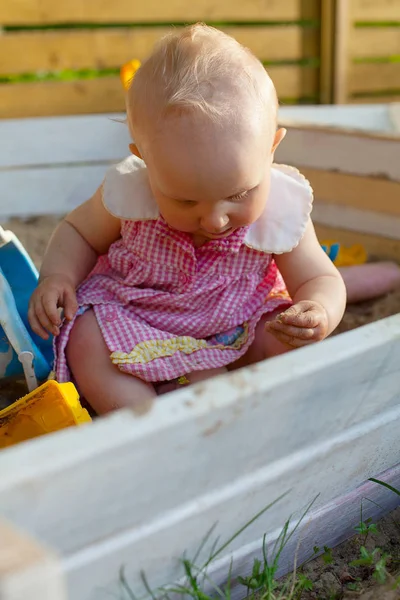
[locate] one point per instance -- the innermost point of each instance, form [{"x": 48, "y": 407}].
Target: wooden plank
[
  {"x": 394, "y": 115},
  {"x": 376, "y": 246},
  {"x": 375, "y": 118},
  {"x": 102, "y": 48},
  {"x": 363, "y": 193},
  {"x": 27, "y": 570},
  {"x": 105, "y": 94},
  {"x": 99, "y": 138},
  {"x": 354, "y": 219},
  {"x": 326, "y": 51},
  {"x": 374, "y": 77},
  {"x": 354, "y": 152},
  {"x": 375, "y": 10},
  {"x": 54, "y": 191},
  {"x": 341, "y": 52},
  {"x": 43, "y": 142},
  {"x": 326, "y": 411},
  {"x": 82, "y": 96},
  {"x": 29, "y": 12},
  {"x": 368, "y": 42},
  {"x": 57, "y": 188},
  {"x": 376, "y": 98}
]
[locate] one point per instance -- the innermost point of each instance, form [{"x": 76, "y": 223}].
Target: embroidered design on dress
[{"x": 145, "y": 352}]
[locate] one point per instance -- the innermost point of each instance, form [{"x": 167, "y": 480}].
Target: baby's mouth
[{"x": 222, "y": 234}]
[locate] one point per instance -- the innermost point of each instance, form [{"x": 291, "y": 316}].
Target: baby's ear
[
  {"x": 279, "y": 136},
  {"x": 135, "y": 150}
]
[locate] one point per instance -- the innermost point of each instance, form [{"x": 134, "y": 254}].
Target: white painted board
[
  {"x": 364, "y": 117},
  {"x": 140, "y": 491},
  {"x": 50, "y": 165},
  {"x": 48, "y": 191},
  {"x": 331, "y": 150},
  {"x": 62, "y": 140},
  {"x": 73, "y": 139}
]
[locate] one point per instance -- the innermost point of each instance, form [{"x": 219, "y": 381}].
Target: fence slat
[
  {"x": 374, "y": 77},
  {"x": 24, "y": 12},
  {"x": 27, "y": 570},
  {"x": 366, "y": 42},
  {"x": 375, "y": 10},
  {"x": 353, "y": 191},
  {"x": 375, "y": 99},
  {"x": 105, "y": 94},
  {"x": 100, "y": 48}
]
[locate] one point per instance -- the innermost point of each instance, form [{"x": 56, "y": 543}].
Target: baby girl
[{"x": 197, "y": 254}]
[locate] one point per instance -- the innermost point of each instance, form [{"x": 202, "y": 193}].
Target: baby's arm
[
  {"x": 81, "y": 237},
  {"x": 317, "y": 290}
]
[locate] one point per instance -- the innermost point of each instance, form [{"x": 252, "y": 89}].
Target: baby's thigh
[{"x": 98, "y": 380}]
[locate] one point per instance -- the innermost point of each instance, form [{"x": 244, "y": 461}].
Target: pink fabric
[{"x": 155, "y": 285}]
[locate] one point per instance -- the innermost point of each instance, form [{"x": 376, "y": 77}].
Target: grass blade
[
  {"x": 124, "y": 583},
  {"x": 204, "y": 542},
  {"x": 242, "y": 529},
  {"x": 147, "y": 586},
  {"x": 386, "y": 485}
]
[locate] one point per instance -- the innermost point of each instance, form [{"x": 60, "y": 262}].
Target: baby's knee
[{"x": 82, "y": 339}]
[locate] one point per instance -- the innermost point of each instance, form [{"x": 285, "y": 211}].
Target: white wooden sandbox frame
[{"x": 316, "y": 423}]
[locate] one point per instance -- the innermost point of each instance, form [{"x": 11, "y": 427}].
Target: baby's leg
[
  {"x": 99, "y": 381},
  {"x": 195, "y": 377},
  {"x": 265, "y": 345}
]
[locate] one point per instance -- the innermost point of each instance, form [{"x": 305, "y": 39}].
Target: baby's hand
[
  {"x": 303, "y": 323},
  {"x": 54, "y": 292}
]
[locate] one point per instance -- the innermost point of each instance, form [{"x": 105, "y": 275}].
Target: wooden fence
[
  {"x": 367, "y": 51},
  {"x": 63, "y": 57}
]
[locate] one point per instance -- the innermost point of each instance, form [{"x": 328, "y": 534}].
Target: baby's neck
[{"x": 199, "y": 240}]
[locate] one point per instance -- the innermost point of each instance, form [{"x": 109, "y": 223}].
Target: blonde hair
[{"x": 187, "y": 70}]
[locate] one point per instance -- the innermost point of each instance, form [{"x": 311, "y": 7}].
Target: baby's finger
[
  {"x": 45, "y": 321},
  {"x": 302, "y": 333},
  {"x": 288, "y": 340},
  {"x": 50, "y": 305},
  {"x": 35, "y": 325},
  {"x": 70, "y": 304},
  {"x": 298, "y": 317}
]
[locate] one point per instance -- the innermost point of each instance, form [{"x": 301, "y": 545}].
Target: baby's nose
[{"x": 214, "y": 223}]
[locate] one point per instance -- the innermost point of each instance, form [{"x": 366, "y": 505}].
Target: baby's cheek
[{"x": 248, "y": 215}]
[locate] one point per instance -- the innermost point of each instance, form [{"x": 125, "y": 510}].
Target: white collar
[{"x": 127, "y": 195}]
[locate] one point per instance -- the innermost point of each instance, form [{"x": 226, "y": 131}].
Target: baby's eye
[
  {"x": 240, "y": 196},
  {"x": 187, "y": 202},
  {"x": 243, "y": 195}
]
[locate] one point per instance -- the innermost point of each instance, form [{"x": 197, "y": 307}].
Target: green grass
[
  {"x": 262, "y": 583},
  {"x": 377, "y": 60},
  {"x": 135, "y": 25},
  {"x": 376, "y": 24},
  {"x": 79, "y": 74},
  {"x": 377, "y": 94},
  {"x": 64, "y": 75}
]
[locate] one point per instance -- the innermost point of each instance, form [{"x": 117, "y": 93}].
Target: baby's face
[{"x": 209, "y": 180}]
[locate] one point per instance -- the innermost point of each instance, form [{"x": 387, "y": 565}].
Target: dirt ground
[
  {"x": 330, "y": 581},
  {"x": 337, "y": 580}
]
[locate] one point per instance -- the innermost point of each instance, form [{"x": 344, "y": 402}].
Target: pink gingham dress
[{"x": 166, "y": 308}]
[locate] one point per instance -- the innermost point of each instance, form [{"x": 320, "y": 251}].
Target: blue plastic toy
[{"x": 22, "y": 352}]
